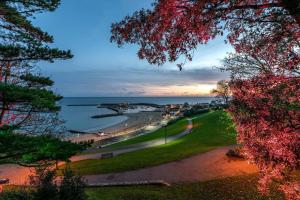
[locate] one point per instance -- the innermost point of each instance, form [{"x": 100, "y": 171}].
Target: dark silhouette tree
[
  {"x": 23, "y": 92},
  {"x": 26, "y": 98},
  {"x": 222, "y": 91}
]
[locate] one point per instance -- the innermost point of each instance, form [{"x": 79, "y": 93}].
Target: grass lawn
[
  {"x": 242, "y": 187},
  {"x": 209, "y": 132},
  {"x": 172, "y": 129}
]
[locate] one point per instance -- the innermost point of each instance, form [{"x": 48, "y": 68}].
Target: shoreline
[{"x": 134, "y": 123}]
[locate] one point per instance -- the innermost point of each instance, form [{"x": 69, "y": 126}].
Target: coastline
[{"x": 135, "y": 123}]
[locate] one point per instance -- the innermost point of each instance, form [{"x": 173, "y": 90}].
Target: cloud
[{"x": 134, "y": 81}]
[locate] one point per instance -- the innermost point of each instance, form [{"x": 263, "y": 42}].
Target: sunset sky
[{"x": 100, "y": 68}]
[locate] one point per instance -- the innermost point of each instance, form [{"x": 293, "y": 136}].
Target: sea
[{"x": 79, "y": 117}]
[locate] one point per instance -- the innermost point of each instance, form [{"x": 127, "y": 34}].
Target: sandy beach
[{"x": 134, "y": 123}]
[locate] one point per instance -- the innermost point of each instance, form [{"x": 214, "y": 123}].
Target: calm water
[{"x": 79, "y": 117}]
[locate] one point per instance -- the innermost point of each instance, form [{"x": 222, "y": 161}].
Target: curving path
[
  {"x": 138, "y": 146},
  {"x": 18, "y": 175},
  {"x": 205, "y": 166}
]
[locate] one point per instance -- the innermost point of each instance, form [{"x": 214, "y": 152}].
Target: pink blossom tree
[{"x": 265, "y": 68}]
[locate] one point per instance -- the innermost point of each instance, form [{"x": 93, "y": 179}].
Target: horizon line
[{"x": 136, "y": 96}]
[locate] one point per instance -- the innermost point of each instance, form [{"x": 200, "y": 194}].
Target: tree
[
  {"x": 175, "y": 27},
  {"x": 36, "y": 150},
  {"x": 222, "y": 91},
  {"x": 44, "y": 187},
  {"x": 265, "y": 68},
  {"x": 266, "y": 112},
  {"x": 24, "y": 93},
  {"x": 26, "y": 98},
  {"x": 72, "y": 187}
]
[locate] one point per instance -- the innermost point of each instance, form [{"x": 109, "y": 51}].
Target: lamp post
[{"x": 165, "y": 134}]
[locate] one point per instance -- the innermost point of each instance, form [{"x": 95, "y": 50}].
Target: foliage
[
  {"x": 17, "y": 195},
  {"x": 37, "y": 99},
  {"x": 235, "y": 153},
  {"x": 175, "y": 27},
  {"x": 26, "y": 99},
  {"x": 226, "y": 121},
  {"x": 24, "y": 94},
  {"x": 265, "y": 35},
  {"x": 44, "y": 187},
  {"x": 174, "y": 121},
  {"x": 222, "y": 91},
  {"x": 27, "y": 150},
  {"x": 72, "y": 187},
  {"x": 267, "y": 120},
  {"x": 195, "y": 111}
]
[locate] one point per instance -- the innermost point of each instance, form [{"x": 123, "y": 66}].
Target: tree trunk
[
  {"x": 4, "y": 79},
  {"x": 56, "y": 165}
]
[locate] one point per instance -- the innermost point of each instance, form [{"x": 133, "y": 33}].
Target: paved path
[
  {"x": 19, "y": 175},
  {"x": 139, "y": 146},
  {"x": 206, "y": 166}
]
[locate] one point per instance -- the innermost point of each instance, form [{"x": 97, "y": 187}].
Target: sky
[{"x": 101, "y": 69}]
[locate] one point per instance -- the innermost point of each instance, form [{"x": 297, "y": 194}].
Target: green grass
[
  {"x": 230, "y": 188},
  {"x": 173, "y": 129},
  {"x": 208, "y": 133},
  {"x": 241, "y": 187}
]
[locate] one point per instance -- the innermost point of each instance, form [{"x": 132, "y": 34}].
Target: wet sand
[{"x": 134, "y": 123}]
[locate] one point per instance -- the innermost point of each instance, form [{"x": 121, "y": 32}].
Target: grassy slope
[
  {"x": 242, "y": 187},
  {"x": 173, "y": 129},
  {"x": 208, "y": 133}
]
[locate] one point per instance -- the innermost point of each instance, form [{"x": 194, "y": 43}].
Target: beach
[{"x": 134, "y": 124}]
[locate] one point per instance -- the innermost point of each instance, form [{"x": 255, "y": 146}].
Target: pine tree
[{"x": 23, "y": 92}]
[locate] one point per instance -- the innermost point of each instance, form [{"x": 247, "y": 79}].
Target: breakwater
[
  {"x": 119, "y": 105},
  {"x": 106, "y": 115}
]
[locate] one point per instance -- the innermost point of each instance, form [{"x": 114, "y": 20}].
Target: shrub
[
  {"x": 194, "y": 111},
  {"x": 45, "y": 187},
  {"x": 17, "y": 195},
  {"x": 235, "y": 153},
  {"x": 173, "y": 121},
  {"x": 71, "y": 187}
]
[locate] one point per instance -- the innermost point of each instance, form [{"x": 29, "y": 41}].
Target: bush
[
  {"x": 46, "y": 186},
  {"x": 195, "y": 111},
  {"x": 235, "y": 153},
  {"x": 17, "y": 195},
  {"x": 71, "y": 187},
  {"x": 173, "y": 121}
]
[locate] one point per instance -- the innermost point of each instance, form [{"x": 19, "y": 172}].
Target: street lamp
[
  {"x": 164, "y": 124},
  {"x": 165, "y": 134}
]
